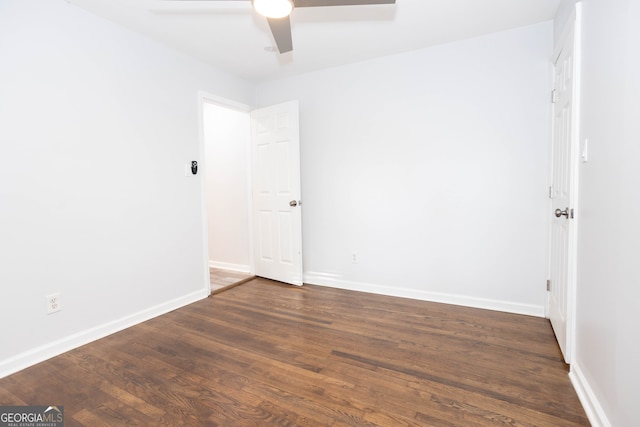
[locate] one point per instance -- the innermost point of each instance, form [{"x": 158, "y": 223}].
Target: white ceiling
[{"x": 230, "y": 35}]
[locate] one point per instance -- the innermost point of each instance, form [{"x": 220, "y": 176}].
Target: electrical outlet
[
  {"x": 354, "y": 258},
  {"x": 53, "y": 303}
]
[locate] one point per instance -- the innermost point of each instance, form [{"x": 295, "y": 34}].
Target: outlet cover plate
[{"x": 53, "y": 303}]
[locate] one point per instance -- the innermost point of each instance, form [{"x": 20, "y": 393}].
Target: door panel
[
  {"x": 562, "y": 171},
  {"x": 266, "y": 244},
  {"x": 276, "y": 183}
]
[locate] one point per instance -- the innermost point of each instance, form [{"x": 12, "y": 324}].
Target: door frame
[
  {"x": 205, "y": 97},
  {"x": 571, "y": 29}
]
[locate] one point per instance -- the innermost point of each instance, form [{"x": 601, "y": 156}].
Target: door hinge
[
  {"x": 551, "y": 192},
  {"x": 548, "y": 285},
  {"x": 571, "y": 216},
  {"x": 554, "y": 96}
]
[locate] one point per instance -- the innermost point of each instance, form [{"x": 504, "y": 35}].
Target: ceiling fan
[{"x": 277, "y": 13}]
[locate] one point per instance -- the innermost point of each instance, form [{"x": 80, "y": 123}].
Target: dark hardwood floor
[{"x": 264, "y": 354}]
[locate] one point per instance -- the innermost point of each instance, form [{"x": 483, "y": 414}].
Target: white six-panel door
[
  {"x": 275, "y": 151},
  {"x": 562, "y": 176}
]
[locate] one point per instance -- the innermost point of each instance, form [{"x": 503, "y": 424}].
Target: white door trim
[{"x": 205, "y": 97}]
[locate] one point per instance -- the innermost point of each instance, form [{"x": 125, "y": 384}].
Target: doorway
[
  {"x": 251, "y": 189},
  {"x": 226, "y": 139}
]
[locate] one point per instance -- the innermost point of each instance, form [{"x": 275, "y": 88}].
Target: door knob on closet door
[
  {"x": 560, "y": 213},
  {"x": 293, "y": 203}
]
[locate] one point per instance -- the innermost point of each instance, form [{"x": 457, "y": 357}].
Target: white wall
[
  {"x": 226, "y": 134},
  {"x": 432, "y": 167},
  {"x": 608, "y": 296},
  {"x": 96, "y": 126},
  {"x": 565, "y": 13}
]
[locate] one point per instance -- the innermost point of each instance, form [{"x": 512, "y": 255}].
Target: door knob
[
  {"x": 293, "y": 203},
  {"x": 560, "y": 213}
]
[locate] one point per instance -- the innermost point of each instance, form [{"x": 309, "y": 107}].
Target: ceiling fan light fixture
[{"x": 273, "y": 8}]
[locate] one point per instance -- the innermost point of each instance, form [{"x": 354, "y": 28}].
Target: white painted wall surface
[
  {"x": 608, "y": 302},
  {"x": 566, "y": 11},
  {"x": 96, "y": 126},
  {"x": 432, "y": 167},
  {"x": 227, "y": 134}
]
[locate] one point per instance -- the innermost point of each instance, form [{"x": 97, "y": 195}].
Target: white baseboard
[
  {"x": 334, "y": 281},
  {"x": 240, "y": 268},
  {"x": 595, "y": 413},
  {"x": 47, "y": 351}
]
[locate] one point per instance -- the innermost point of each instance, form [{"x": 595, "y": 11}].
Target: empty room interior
[{"x": 411, "y": 197}]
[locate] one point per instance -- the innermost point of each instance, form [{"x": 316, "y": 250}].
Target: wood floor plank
[{"x": 265, "y": 353}]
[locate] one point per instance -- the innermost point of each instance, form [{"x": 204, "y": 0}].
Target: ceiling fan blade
[
  {"x": 281, "y": 30},
  {"x": 317, "y": 3},
  {"x": 193, "y": 1}
]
